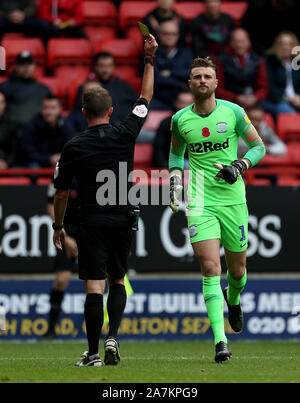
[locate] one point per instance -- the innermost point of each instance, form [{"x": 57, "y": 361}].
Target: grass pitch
[{"x": 152, "y": 362}]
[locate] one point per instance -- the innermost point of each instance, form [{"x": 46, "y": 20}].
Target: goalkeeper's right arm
[
  {"x": 176, "y": 165},
  {"x": 175, "y": 189}
]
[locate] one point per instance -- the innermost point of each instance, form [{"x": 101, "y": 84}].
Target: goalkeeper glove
[
  {"x": 175, "y": 190},
  {"x": 230, "y": 173}
]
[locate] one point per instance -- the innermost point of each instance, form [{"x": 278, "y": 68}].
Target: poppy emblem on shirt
[{"x": 222, "y": 127}]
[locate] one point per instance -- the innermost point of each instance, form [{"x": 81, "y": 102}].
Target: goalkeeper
[{"x": 217, "y": 211}]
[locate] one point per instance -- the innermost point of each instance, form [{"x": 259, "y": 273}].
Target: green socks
[
  {"x": 214, "y": 302},
  {"x": 235, "y": 287}
]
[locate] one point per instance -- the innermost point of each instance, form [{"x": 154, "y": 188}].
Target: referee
[{"x": 105, "y": 230}]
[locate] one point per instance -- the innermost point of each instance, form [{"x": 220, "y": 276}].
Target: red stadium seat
[
  {"x": 130, "y": 12},
  {"x": 270, "y": 121},
  {"x": 259, "y": 182},
  {"x": 58, "y": 87},
  {"x": 74, "y": 84},
  {"x": 286, "y": 159},
  {"x": 288, "y": 126},
  {"x": 294, "y": 149},
  {"x": 101, "y": 12},
  {"x": 44, "y": 181},
  {"x": 288, "y": 180},
  {"x": 125, "y": 71},
  {"x": 235, "y": 8},
  {"x": 71, "y": 73},
  {"x": 134, "y": 34},
  {"x": 143, "y": 156},
  {"x": 4, "y": 181},
  {"x": 68, "y": 51},
  {"x": 123, "y": 50},
  {"x": 292, "y": 156},
  {"x": 154, "y": 119},
  {"x": 15, "y": 45},
  {"x": 189, "y": 10},
  {"x": 129, "y": 74},
  {"x": 135, "y": 82},
  {"x": 96, "y": 33}
]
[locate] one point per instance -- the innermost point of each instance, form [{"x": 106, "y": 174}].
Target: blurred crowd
[{"x": 253, "y": 57}]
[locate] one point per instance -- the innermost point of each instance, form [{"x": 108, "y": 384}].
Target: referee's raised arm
[{"x": 150, "y": 48}]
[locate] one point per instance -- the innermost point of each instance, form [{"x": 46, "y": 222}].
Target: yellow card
[{"x": 144, "y": 29}]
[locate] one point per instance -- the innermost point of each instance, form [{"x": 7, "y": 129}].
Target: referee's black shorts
[
  {"x": 61, "y": 261},
  {"x": 103, "y": 246}
]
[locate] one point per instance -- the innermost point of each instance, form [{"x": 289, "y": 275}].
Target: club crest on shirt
[
  {"x": 192, "y": 230},
  {"x": 222, "y": 127}
]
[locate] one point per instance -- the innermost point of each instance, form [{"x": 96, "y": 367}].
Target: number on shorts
[{"x": 241, "y": 227}]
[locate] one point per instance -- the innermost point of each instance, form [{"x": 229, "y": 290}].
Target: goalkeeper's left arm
[{"x": 256, "y": 152}]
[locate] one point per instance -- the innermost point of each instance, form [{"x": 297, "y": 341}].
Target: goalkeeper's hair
[{"x": 203, "y": 62}]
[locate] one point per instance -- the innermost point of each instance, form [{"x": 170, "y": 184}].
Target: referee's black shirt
[{"x": 102, "y": 147}]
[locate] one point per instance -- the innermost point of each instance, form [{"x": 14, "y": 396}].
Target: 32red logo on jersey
[{"x": 205, "y": 132}]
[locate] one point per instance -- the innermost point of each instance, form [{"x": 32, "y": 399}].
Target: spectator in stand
[
  {"x": 43, "y": 138},
  {"x": 23, "y": 92},
  {"x": 171, "y": 69},
  {"x": 242, "y": 74},
  {"x": 274, "y": 145},
  {"x": 162, "y": 141},
  {"x": 282, "y": 15},
  {"x": 284, "y": 81},
  {"x": 65, "y": 17},
  {"x": 165, "y": 12},
  {"x": 211, "y": 30},
  {"x": 122, "y": 93},
  {"x": 19, "y": 16},
  {"x": 8, "y": 137},
  {"x": 76, "y": 117}
]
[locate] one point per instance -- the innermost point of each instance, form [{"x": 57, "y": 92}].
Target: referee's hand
[
  {"x": 150, "y": 45},
  {"x": 58, "y": 238}
]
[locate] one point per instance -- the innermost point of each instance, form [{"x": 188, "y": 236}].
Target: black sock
[
  {"x": 116, "y": 303},
  {"x": 93, "y": 314},
  {"x": 56, "y": 298}
]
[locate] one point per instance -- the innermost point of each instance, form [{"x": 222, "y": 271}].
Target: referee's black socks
[
  {"x": 93, "y": 314},
  {"x": 116, "y": 302}
]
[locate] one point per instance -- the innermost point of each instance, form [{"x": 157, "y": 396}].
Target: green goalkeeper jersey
[{"x": 210, "y": 139}]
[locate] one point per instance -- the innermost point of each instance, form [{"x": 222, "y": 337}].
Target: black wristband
[
  {"x": 57, "y": 227},
  {"x": 149, "y": 59},
  {"x": 240, "y": 165}
]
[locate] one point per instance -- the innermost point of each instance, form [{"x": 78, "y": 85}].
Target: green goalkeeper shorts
[{"x": 227, "y": 223}]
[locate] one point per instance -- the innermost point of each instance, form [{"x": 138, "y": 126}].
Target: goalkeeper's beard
[{"x": 202, "y": 96}]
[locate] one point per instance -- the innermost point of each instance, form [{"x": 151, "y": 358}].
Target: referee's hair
[
  {"x": 203, "y": 62},
  {"x": 96, "y": 102}
]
